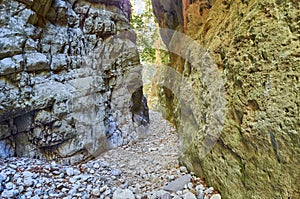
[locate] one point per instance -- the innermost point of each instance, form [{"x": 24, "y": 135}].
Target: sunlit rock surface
[{"x": 253, "y": 48}]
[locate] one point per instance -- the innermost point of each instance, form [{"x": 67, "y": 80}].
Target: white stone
[
  {"x": 189, "y": 195},
  {"x": 70, "y": 171},
  {"x": 215, "y": 196},
  {"x": 123, "y": 194}
]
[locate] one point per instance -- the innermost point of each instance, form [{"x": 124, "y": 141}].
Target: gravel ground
[{"x": 144, "y": 169}]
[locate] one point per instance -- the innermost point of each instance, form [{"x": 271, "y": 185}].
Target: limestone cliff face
[
  {"x": 69, "y": 87},
  {"x": 253, "y": 47}
]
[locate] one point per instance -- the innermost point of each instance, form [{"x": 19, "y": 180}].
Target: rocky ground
[{"x": 144, "y": 169}]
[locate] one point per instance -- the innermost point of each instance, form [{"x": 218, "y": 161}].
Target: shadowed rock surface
[{"x": 64, "y": 66}]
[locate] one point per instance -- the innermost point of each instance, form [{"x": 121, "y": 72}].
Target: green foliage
[{"x": 144, "y": 25}]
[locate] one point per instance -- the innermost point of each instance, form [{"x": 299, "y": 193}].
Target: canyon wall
[
  {"x": 70, "y": 83},
  {"x": 240, "y": 60}
]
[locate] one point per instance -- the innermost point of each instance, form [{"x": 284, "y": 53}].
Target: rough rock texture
[
  {"x": 253, "y": 47},
  {"x": 68, "y": 85}
]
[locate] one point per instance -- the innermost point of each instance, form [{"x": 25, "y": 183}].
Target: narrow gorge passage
[
  {"x": 144, "y": 169},
  {"x": 150, "y": 166}
]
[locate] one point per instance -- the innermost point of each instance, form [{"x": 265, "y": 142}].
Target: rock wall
[
  {"x": 70, "y": 85},
  {"x": 253, "y": 48}
]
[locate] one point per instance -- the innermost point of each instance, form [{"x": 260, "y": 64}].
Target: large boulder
[
  {"x": 66, "y": 75},
  {"x": 242, "y": 66}
]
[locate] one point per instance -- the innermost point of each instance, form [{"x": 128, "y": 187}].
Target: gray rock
[
  {"x": 27, "y": 174},
  {"x": 123, "y": 194},
  {"x": 102, "y": 189},
  {"x": 200, "y": 195},
  {"x": 183, "y": 169},
  {"x": 189, "y": 195},
  {"x": 63, "y": 69},
  {"x": 116, "y": 172},
  {"x": 209, "y": 190},
  {"x": 1, "y": 178},
  {"x": 200, "y": 188},
  {"x": 107, "y": 192},
  {"x": 9, "y": 185},
  {"x": 9, "y": 193},
  {"x": 28, "y": 182},
  {"x": 163, "y": 194},
  {"x": 72, "y": 192},
  {"x": 70, "y": 171},
  {"x": 170, "y": 177},
  {"x": 76, "y": 172},
  {"x": 96, "y": 166},
  {"x": 178, "y": 184}
]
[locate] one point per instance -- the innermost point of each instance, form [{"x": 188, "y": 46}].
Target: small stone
[
  {"x": 178, "y": 184},
  {"x": 70, "y": 171},
  {"x": 13, "y": 166},
  {"x": 189, "y": 195},
  {"x": 116, "y": 172},
  {"x": 201, "y": 195},
  {"x": 64, "y": 190},
  {"x": 96, "y": 166},
  {"x": 38, "y": 192},
  {"x": 1, "y": 178},
  {"x": 9, "y": 193},
  {"x": 72, "y": 192},
  {"x": 163, "y": 194},
  {"x": 200, "y": 188},
  {"x": 102, "y": 189},
  {"x": 96, "y": 192},
  {"x": 1, "y": 187},
  {"x": 183, "y": 169},
  {"x": 27, "y": 174},
  {"x": 107, "y": 192},
  {"x": 76, "y": 172},
  {"x": 190, "y": 185},
  {"x": 209, "y": 190},
  {"x": 38, "y": 185},
  {"x": 215, "y": 196},
  {"x": 53, "y": 164},
  {"x": 28, "y": 182},
  {"x": 123, "y": 194},
  {"x": 170, "y": 177},
  {"x": 9, "y": 185},
  {"x": 104, "y": 164},
  {"x": 28, "y": 193}
]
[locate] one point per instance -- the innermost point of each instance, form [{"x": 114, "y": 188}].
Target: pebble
[
  {"x": 96, "y": 166},
  {"x": 189, "y": 195},
  {"x": 28, "y": 182},
  {"x": 116, "y": 172},
  {"x": 178, "y": 184},
  {"x": 9, "y": 193},
  {"x": 70, "y": 171},
  {"x": 123, "y": 194},
  {"x": 183, "y": 169},
  {"x": 96, "y": 192},
  {"x": 215, "y": 196},
  {"x": 9, "y": 185},
  {"x": 209, "y": 190},
  {"x": 27, "y": 174}
]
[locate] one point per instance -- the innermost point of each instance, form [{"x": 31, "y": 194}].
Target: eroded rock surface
[
  {"x": 66, "y": 76},
  {"x": 253, "y": 48}
]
